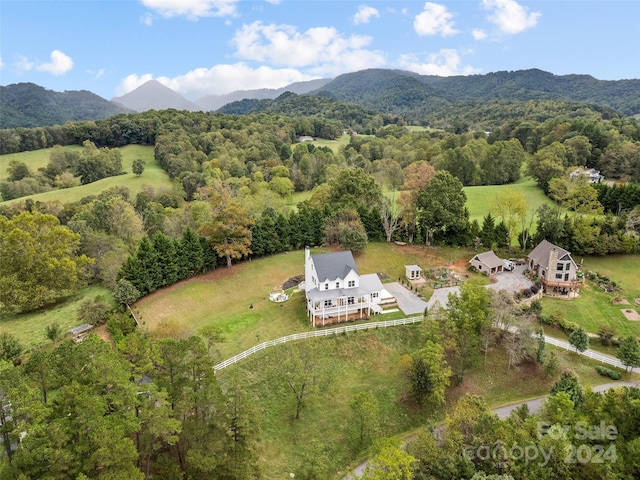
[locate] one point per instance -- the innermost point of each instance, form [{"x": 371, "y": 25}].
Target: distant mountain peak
[{"x": 153, "y": 95}]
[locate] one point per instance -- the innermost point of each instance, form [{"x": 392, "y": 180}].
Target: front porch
[
  {"x": 343, "y": 309},
  {"x": 561, "y": 289}
]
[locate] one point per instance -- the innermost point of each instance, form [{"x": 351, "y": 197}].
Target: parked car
[{"x": 508, "y": 265}]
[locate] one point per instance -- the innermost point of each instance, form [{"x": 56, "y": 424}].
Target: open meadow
[{"x": 152, "y": 175}]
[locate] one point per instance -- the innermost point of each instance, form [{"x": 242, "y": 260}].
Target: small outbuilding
[
  {"x": 78, "y": 333},
  {"x": 412, "y": 272},
  {"x": 487, "y": 262}
]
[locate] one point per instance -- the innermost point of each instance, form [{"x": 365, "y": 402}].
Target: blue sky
[{"x": 200, "y": 47}]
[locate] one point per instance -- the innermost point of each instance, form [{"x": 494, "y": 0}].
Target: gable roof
[
  {"x": 490, "y": 259},
  {"x": 540, "y": 254},
  {"x": 330, "y": 266}
]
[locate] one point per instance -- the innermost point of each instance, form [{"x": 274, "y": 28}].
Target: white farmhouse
[{"x": 336, "y": 292}]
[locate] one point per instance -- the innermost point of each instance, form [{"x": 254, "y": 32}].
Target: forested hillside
[
  {"x": 29, "y": 105},
  {"x": 415, "y": 96}
]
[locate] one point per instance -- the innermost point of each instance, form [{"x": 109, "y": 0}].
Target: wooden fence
[{"x": 314, "y": 334}]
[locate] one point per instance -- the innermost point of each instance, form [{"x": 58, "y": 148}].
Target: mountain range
[{"x": 394, "y": 92}]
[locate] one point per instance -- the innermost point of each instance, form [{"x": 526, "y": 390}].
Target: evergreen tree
[
  {"x": 192, "y": 250},
  {"x": 149, "y": 267},
  {"x": 488, "y": 232},
  {"x": 502, "y": 235},
  {"x": 166, "y": 255},
  {"x": 209, "y": 256}
]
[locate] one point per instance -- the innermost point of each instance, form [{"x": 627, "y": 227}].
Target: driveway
[
  {"x": 411, "y": 304},
  {"x": 408, "y": 301},
  {"x": 512, "y": 282}
]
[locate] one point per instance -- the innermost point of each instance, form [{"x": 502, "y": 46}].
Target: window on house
[
  {"x": 350, "y": 301},
  {"x": 352, "y": 283},
  {"x": 374, "y": 295},
  {"x": 326, "y": 286},
  {"x": 327, "y": 303},
  {"x": 567, "y": 266},
  {"x": 558, "y": 275},
  {"x": 560, "y": 266},
  {"x": 337, "y": 284}
]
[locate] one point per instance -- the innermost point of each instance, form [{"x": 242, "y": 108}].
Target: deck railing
[{"x": 325, "y": 332}]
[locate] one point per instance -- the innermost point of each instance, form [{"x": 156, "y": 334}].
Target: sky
[{"x": 201, "y": 47}]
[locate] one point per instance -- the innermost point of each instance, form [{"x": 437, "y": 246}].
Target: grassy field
[
  {"x": 595, "y": 307},
  {"x": 481, "y": 199},
  {"x": 333, "y": 144},
  {"x": 222, "y": 297},
  {"x": 153, "y": 174},
  {"x": 34, "y": 160},
  {"x": 366, "y": 361},
  {"x": 29, "y": 328}
]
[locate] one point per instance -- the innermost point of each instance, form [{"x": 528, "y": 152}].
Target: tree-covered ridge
[
  {"x": 350, "y": 115},
  {"x": 409, "y": 94},
  {"x": 29, "y": 105}
]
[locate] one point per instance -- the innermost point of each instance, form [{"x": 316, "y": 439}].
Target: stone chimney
[{"x": 553, "y": 260}]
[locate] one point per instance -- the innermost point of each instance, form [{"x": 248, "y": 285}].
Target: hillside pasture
[{"x": 152, "y": 175}]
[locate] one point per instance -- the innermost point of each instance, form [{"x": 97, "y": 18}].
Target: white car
[{"x": 508, "y": 265}]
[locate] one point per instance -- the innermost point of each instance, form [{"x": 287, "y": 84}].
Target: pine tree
[
  {"x": 192, "y": 249},
  {"x": 209, "y": 256},
  {"x": 488, "y": 231},
  {"x": 166, "y": 255},
  {"x": 149, "y": 266}
]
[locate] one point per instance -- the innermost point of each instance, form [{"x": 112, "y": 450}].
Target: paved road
[{"x": 504, "y": 411}]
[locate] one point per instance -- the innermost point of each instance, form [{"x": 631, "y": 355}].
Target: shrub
[
  {"x": 607, "y": 334},
  {"x": 607, "y": 372}
]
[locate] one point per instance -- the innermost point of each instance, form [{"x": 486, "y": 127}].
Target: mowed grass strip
[
  {"x": 34, "y": 160},
  {"x": 595, "y": 307},
  {"x": 29, "y": 328},
  {"x": 153, "y": 175}
]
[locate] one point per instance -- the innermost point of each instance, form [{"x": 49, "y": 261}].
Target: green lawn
[
  {"x": 481, "y": 199},
  {"x": 153, "y": 175},
  {"x": 224, "y": 297},
  {"x": 333, "y": 144},
  {"x": 595, "y": 307},
  {"x": 29, "y": 328}
]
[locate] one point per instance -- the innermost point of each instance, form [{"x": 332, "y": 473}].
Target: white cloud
[
  {"x": 131, "y": 82},
  {"x": 147, "y": 19},
  {"x": 273, "y": 2},
  {"x": 322, "y": 50},
  {"x": 96, "y": 73},
  {"x": 192, "y": 9},
  {"x": 433, "y": 20},
  {"x": 60, "y": 63},
  {"x": 1, "y": 63},
  {"x": 219, "y": 79},
  {"x": 364, "y": 14},
  {"x": 479, "y": 34},
  {"x": 445, "y": 63},
  {"x": 510, "y": 17},
  {"x": 23, "y": 64}
]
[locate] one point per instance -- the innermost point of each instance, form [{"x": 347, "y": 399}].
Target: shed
[
  {"x": 78, "y": 333},
  {"x": 412, "y": 272},
  {"x": 487, "y": 262}
]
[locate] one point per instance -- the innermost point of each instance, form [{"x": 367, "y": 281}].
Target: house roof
[
  {"x": 368, "y": 284},
  {"x": 540, "y": 254},
  {"x": 412, "y": 267},
  {"x": 490, "y": 259},
  {"x": 330, "y": 266},
  {"x": 85, "y": 327}
]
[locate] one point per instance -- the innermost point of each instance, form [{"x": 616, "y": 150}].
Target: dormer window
[
  {"x": 352, "y": 283},
  {"x": 326, "y": 286},
  {"x": 337, "y": 284}
]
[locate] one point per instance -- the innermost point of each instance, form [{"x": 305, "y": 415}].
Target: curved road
[{"x": 503, "y": 412}]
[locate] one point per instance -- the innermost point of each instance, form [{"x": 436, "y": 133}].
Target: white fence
[{"x": 314, "y": 334}]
